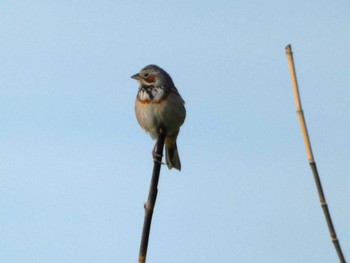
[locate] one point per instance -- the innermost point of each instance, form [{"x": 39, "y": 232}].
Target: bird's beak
[{"x": 136, "y": 76}]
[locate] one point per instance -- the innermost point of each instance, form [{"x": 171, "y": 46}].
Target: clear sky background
[{"x": 75, "y": 166}]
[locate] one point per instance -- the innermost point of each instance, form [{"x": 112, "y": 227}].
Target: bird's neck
[{"x": 151, "y": 93}]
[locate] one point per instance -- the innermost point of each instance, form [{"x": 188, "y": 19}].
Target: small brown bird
[{"x": 159, "y": 104}]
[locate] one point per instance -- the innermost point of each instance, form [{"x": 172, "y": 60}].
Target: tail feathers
[{"x": 172, "y": 158}]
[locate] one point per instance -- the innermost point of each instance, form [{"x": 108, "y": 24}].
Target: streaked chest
[{"x": 151, "y": 93}]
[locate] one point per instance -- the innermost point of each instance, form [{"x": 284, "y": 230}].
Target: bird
[{"x": 159, "y": 105}]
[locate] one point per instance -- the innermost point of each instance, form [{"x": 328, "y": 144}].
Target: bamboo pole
[
  {"x": 310, "y": 156},
  {"x": 152, "y": 196}
]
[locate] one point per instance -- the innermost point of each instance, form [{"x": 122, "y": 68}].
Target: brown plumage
[{"x": 159, "y": 104}]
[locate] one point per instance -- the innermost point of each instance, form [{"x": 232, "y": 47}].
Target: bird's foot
[
  {"x": 157, "y": 161},
  {"x": 156, "y": 155}
]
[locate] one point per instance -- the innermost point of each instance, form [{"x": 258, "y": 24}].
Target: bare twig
[
  {"x": 152, "y": 196},
  {"x": 310, "y": 155}
]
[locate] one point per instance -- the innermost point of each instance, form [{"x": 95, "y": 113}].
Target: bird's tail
[{"x": 171, "y": 154}]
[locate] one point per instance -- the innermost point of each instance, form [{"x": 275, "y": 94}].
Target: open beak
[{"x": 136, "y": 76}]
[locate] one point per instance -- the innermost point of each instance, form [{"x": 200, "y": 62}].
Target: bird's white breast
[{"x": 151, "y": 93}]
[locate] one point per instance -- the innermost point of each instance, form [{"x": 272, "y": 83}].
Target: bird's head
[{"x": 153, "y": 75}]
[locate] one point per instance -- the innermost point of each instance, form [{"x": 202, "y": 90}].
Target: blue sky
[{"x": 75, "y": 166}]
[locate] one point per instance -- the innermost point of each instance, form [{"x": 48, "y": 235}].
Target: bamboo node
[
  {"x": 311, "y": 160},
  {"x": 148, "y": 206},
  {"x": 323, "y": 202},
  {"x": 334, "y": 238}
]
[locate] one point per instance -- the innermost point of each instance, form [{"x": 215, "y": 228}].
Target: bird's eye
[{"x": 145, "y": 75}]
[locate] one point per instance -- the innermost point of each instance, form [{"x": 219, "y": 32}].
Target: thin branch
[
  {"x": 310, "y": 155},
  {"x": 152, "y": 196}
]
